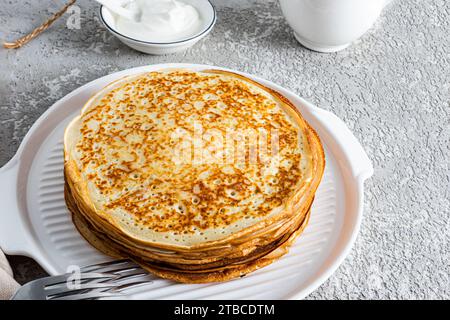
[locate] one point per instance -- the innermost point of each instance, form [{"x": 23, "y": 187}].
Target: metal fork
[{"x": 103, "y": 280}]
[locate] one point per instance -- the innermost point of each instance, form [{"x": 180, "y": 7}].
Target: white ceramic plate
[{"x": 35, "y": 222}]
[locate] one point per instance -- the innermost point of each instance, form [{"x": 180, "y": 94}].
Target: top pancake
[{"x": 182, "y": 159}]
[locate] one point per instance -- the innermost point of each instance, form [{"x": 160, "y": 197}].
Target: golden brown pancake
[
  {"x": 198, "y": 176},
  {"x": 209, "y": 274},
  {"x": 108, "y": 246}
]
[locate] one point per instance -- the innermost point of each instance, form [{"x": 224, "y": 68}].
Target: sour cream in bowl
[{"x": 164, "y": 26}]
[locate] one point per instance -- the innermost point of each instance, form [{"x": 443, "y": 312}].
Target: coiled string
[{"x": 25, "y": 39}]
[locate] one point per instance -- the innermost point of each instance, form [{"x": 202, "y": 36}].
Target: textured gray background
[{"x": 391, "y": 88}]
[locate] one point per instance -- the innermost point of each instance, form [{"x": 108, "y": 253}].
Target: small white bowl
[{"x": 208, "y": 19}]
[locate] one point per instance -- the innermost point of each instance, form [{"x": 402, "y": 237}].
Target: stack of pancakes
[{"x": 197, "y": 176}]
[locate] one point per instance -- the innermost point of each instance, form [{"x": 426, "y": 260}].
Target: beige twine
[{"x": 24, "y": 40}]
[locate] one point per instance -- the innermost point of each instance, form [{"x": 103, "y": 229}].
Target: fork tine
[
  {"x": 135, "y": 271},
  {"x": 120, "y": 270},
  {"x": 132, "y": 275},
  {"x": 64, "y": 290},
  {"x": 89, "y": 295},
  {"x": 111, "y": 266},
  {"x": 130, "y": 285},
  {"x": 58, "y": 280},
  {"x": 103, "y": 264}
]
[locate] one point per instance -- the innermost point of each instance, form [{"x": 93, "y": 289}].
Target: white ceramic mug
[{"x": 330, "y": 25}]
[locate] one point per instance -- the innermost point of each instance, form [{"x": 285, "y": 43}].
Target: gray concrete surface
[{"x": 392, "y": 88}]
